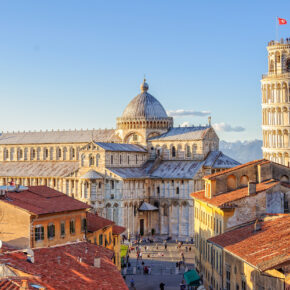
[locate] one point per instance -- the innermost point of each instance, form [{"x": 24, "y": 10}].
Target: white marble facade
[{"x": 144, "y": 161}]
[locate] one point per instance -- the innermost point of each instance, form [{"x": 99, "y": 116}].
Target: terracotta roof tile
[
  {"x": 95, "y": 222},
  {"x": 118, "y": 230},
  {"x": 262, "y": 161},
  {"x": 264, "y": 249},
  {"x": 60, "y": 267},
  {"x": 224, "y": 198},
  {"x": 43, "y": 200}
]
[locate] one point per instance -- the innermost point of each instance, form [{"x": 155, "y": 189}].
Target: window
[
  {"x": 112, "y": 159},
  {"x": 62, "y": 229},
  {"x": 72, "y": 153},
  {"x": 45, "y": 153},
  {"x": 120, "y": 159},
  {"x": 228, "y": 278},
  {"x": 39, "y": 233},
  {"x": 288, "y": 65},
  {"x": 128, "y": 159},
  {"x": 173, "y": 152},
  {"x": 188, "y": 151},
  {"x": 244, "y": 287},
  {"x": 50, "y": 231},
  {"x": 135, "y": 137},
  {"x": 158, "y": 189},
  {"x": 32, "y": 154},
  {"x": 20, "y": 153},
  {"x": 84, "y": 225},
  {"x": 177, "y": 190},
  {"x": 72, "y": 229},
  {"x": 165, "y": 210},
  {"x": 92, "y": 161},
  {"x": 136, "y": 159},
  {"x": 112, "y": 184},
  {"x": 59, "y": 153},
  {"x": 100, "y": 240}
]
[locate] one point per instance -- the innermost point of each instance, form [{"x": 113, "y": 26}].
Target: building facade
[
  {"x": 255, "y": 256},
  {"x": 276, "y": 103},
  {"x": 145, "y": 161},
  {"x": 232, "y": 198}
]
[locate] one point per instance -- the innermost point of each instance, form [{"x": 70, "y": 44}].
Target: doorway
[{"x": 141, "y": 227}]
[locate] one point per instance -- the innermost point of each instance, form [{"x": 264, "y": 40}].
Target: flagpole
[{"x": 276, "y": 29}]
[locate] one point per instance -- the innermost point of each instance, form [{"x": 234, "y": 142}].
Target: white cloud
[
  {"x": 183, "y": 113},
  {"x": 227, "y": 128},
  {"x": 185, "y": 124}
]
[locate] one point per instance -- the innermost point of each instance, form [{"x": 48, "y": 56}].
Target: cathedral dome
[{"x": 145, "y": 106}]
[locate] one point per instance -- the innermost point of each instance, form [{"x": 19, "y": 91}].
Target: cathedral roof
[
  {"x": 217, "y": 160},
  {"x": 121, "y": 147},
  {"x": 145, "y": 106},
  {"x": 38, "y": 168},
  {"x": 58, "y": 137},
  {"x": 183, "y": 133}
]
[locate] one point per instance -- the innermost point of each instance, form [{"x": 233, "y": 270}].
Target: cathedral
[{"x": 140, "y": 174}]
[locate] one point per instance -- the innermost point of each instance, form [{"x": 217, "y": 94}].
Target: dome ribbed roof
[{"x": 144, "y": 105}]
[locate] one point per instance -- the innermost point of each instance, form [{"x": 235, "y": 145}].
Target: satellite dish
[{"x": 1, "y": 244}]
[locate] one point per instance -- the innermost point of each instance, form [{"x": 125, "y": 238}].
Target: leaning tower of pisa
[{"x": 276, "y": 103}]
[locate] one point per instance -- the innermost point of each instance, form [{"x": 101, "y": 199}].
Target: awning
[
  {"x": 191, "y": 278},
  {"x": 145, "y": 206}
]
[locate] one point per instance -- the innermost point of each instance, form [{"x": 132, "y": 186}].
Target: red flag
[{"x": 282, "y": 21}]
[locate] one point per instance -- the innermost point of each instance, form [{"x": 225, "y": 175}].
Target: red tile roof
[
  {"x": 60, "y": 267},
  {"x": 224, "y": 198},
  {"x": 264, "y": 249},
  {"x": 259, "y": 161},
  {"x": 118, "y": 230},
  {"x": 95, "y": 222},
  {"x": 43, "y": 200}
]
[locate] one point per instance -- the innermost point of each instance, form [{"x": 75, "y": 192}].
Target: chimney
[
  {"x": 97, "y": 262},
  {"x": 209, "y": 121},
  {"x": 251, "y": 187},
  {"x": 24, "y": 285},
  {"x": 257, "y": 225}
]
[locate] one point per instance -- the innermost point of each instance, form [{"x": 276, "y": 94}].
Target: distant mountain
[{"x": 242, "y": 151}]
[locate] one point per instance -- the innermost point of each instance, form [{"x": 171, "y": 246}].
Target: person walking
[
  {"x": 161, "y": 285},
  {"x": 140, "y": 255}
]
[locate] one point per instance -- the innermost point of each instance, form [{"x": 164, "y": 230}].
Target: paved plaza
[{"x": 162, "y": 263}]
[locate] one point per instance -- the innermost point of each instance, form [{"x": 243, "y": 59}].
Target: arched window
[
  {"x": 92, "y": 161},
  {"x": 73, "y": 153},
  {"x": 288, "y": 65},
  {"x": 173, "y": 151},
  {"x": 244, "y": 180},
  {"x": 165, "y": 210},
  {"x": 20, "y": 154},
  {"x": 46, "y": 153},
  {"x": 59, "y": 153},
  {"x": 188, "y": 151},
  {"x": 33, "y": 154},
  {"x": 231, "y": 182},
  {"x": 271, "y": 67},
  {"x": 177, "y": 190}
]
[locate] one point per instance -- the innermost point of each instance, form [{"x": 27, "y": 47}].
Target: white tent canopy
[{"x": 145, "y": 206}]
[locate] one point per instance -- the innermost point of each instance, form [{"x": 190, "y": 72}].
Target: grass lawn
[{"x": 124, "y": 249}]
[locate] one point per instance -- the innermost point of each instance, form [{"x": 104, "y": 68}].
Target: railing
[{"x": 276, "y": 75}]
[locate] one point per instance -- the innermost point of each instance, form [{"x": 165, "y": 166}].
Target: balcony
[{"x": 276, "y": 75}]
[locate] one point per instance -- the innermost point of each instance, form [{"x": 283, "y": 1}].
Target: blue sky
[{"x": 76, "y": 64}]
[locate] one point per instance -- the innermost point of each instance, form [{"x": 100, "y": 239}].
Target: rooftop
[
  {"x": 264, "y": 249},
  {"x": 260, "y": 161},
  {"x": 59, "y": 136},
  {"x": 95, "y": 222},
  {"x": 118, "y": 230},
  {"x": 60, "y": 267},
  {"x": 224, "y": 198},
  {"x": 121, "y": 147},
  {"x": 183, "y": 133},
  {"x": 43, "y": 200}
]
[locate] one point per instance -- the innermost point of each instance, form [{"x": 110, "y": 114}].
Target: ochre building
[{"x": 139, "y": 175}]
